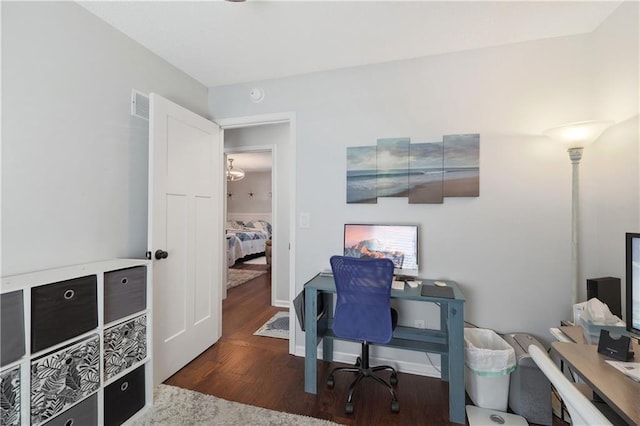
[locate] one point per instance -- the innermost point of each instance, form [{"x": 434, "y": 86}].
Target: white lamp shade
[{"x": 579, "y": 134}]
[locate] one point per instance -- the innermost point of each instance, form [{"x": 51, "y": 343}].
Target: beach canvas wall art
[
  {"x": 362, "y": 175},
  {"x": 424, "y": 172},
  {"x": 393, "y": 167},
  {"x": 461, "y": 165}
]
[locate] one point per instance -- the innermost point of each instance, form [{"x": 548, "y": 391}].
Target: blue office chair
[{"x": 363, "y": 312}]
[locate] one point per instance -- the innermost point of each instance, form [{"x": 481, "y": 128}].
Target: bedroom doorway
[{"x": 272, "y": 133}]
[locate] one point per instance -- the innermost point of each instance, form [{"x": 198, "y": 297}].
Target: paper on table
[
  {"x": 397, "y": 285},
  {"x": 631, "y": 369}
]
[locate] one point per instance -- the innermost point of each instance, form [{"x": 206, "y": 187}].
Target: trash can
[{"x": 489, "y": 360}]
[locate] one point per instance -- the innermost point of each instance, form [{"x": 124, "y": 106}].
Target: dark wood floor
[{"x": 259, "y": 371}]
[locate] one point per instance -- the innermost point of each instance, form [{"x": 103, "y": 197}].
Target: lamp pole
[
  {"x": 576, "y": 135},
  {"x": 575, "y": 154}
]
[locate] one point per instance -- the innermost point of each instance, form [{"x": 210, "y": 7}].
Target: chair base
[{"x": 363, "y": 370}]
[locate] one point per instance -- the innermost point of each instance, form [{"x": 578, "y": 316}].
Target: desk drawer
[
  {"x": 124, "y": 397},
  {"x": 73, "y": 371},
  {"x": 125, "y": 292},
  {"x": 11, "y": 327},
  {"x": 63, "y": 310},
  {"x": 124, "y": 346},
  {"x": 10, "y": 396},
  {"x": 85, "y": 413}
]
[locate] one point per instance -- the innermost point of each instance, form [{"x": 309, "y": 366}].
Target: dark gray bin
[
  {"x": 11, "y": 327},
  {"x": 63, "y": 310},
  {"x": 85, "y": 413},
  {"x": 529, "y": 388},
  {"x": 125, "y": 292}
]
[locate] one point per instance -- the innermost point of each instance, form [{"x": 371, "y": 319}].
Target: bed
[{"x": 246, "y": 239}]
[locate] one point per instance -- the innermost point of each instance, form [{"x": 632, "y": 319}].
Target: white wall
[
  {"x": 509, "y": 249},
  {"x": 241, "y": 200},
  {"x": 74, "y": 162},
  {"x": 610, "y": 171}
]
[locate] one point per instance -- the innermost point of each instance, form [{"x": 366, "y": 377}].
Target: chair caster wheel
[
  {"x": 395, "y": 406},
  {"x": 349, "y": 408},
  {"x": 358, "y": 362},
  {"x": 393, "y": 379},
  {"x": 330, "y": 382}
]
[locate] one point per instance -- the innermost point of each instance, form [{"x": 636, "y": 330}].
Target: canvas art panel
[
  {"x": 362, "y": 175},
  {"x": 393, "y": 167},
  {"x": 461, "y": 165},
  {"x": 426, "y": 173}
]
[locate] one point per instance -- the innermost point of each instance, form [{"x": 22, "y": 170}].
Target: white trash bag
[{"x": 487, "y": 354}]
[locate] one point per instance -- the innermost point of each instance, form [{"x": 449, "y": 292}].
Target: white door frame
[{"x": 290, "y": 118}]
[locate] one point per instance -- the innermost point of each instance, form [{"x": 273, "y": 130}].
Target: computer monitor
[
  {"x": 633, "y": 283},
  {"x": 399, "y": 243}
]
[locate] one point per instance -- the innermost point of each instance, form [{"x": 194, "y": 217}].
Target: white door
[{"x": 185, "y": 234}]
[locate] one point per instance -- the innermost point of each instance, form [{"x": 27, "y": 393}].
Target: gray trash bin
[{"x": 529, "y": 388}]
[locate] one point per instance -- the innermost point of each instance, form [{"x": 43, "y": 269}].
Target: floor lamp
[{"x": 576, "y": 136}]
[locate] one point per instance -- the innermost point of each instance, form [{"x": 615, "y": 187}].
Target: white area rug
[
  {"x": 236, "y": 277},
  {"x": 175, "y": 406},
  {"x": 277, "y": 326}
]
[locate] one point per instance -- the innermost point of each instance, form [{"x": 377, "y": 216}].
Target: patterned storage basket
[
  {"x": 64, "y": 377},
  {"x": 10, "y": 397},
  {"x": 124, "y": 346}
]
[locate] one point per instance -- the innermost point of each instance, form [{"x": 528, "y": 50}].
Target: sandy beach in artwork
[
  {"x": 463, "y": 187},
  {"x": 434, "y": 192}
]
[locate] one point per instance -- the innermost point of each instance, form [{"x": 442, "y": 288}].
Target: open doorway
[
  {"x": 249, "y": 206},
  {"x": 259, "y": 136}
]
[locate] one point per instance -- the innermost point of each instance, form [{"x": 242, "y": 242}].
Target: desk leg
[
  {"x": 456, "y": 363},
  {"x": 444, "y": 326},
  {"x": 310, "y": 341}
]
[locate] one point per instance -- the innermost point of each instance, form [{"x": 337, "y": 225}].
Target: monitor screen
[
  {"x": 399, "y": 243},
  {"x": 633, "y": 282}
]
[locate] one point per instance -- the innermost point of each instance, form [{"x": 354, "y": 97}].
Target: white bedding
[{"x": 245, "y": 240}]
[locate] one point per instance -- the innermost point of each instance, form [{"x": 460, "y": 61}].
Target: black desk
[{"x": 448, "y": 341}]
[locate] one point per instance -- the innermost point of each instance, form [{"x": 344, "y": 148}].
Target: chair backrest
[
  {"x": 581, "y": 410},
  {"x": 363, "y": 307}
]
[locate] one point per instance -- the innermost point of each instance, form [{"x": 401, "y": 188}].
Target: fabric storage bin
[
  {"x": 63, "y": 310},
  {"x": 64, "y": 377},
  {"x": 10, "y": 396},
  {"x": 11, "y": 327},
  {"x": 124, "y": 397},
  {"x": 125, "y": 292},
  {"x": 85, "y": 413},
  {"x": 124, "y": 346}
]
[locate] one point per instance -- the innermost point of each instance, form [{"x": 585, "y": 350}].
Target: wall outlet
[{"x": 418, "y": 323}]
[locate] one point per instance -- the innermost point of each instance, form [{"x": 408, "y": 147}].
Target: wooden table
[{"x": 620, "y": 392}]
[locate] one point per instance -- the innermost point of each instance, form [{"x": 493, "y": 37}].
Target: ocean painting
[
  {"x": 393, "y": 167},
  {"x": 426, "y": 173},
  {"x": 362, "y": 176},
  {"x": 461, "y": 165}
]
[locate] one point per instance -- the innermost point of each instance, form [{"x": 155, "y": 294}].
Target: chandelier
[{"x": 233, "y": 173}]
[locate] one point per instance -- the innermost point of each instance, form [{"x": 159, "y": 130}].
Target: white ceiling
[{"x": 219, "y": 42}]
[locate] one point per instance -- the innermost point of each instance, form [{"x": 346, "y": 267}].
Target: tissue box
[{"x": 591, "y": 331}]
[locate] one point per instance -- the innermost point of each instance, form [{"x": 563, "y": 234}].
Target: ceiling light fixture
[{"x": 234, "y": 173}]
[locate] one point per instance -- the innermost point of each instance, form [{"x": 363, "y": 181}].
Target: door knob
[{"x": 161, "y": 254}]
